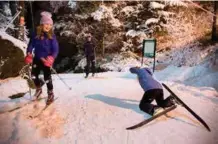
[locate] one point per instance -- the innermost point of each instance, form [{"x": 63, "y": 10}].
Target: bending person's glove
[{"x": 28, "y": 59}]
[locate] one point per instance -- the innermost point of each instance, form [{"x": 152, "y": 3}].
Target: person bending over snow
[{"x": 153, "y": 91}]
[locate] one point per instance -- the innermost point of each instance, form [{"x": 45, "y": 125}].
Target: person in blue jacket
[
  {"x": 45, "y": 47},
  {"x": 153, "y": 91}
]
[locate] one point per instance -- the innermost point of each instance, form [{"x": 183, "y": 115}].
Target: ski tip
[
  {"x": 129, "y": 128},
  {"x": 164, "y": 84}
]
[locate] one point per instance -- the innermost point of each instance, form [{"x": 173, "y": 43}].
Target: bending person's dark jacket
[{"x": 146, "y": 79}]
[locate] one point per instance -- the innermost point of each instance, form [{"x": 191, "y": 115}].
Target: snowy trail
[{"x": 97, "y": 110}]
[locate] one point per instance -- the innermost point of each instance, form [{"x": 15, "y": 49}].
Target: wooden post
[
  {"x": 214, "y": 29},
  {"x": 143, "y": 45},
  {"x": 103, "y": 49},
  {"x": 154, "y": 55},
  {"x": 21, "y": 24}
]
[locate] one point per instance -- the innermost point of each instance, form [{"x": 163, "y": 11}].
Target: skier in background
[
  {"x": 46, "y": 50},
  {"x": 153, "y": 91},
  {"x": 89, "y": 49}
]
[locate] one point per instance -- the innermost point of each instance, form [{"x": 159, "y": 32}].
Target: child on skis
[
  {"x": 153, "y": 91},
  {"x": 46, "y": 49}
]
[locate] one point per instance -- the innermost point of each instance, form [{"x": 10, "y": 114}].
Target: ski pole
[
  {"x": 60, "y": 78},
  {"x": 29, "y": 73}
]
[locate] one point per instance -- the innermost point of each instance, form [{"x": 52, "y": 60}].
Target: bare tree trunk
[
  {"x": 20, "y": 21},
  {"x": 103, "y": 48},
  {"x": 21, "y": 31},
  {"x": 214, "y": 29}
]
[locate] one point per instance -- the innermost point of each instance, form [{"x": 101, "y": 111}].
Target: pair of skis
[
  {"x": 180, "y": 102},
  {"x": 33, "y": 100},
  {"x": 152, "y": 118},
  {"x": 46, "y": 106}
]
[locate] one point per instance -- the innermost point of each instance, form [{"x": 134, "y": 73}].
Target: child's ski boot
[
  {"x": 50, "y": 97},
  {"x": 37, "y": 93}
]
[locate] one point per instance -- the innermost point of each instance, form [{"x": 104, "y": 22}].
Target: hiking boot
[
  {"x": 38, "y": 93},
  {"x": 157, "y": 110},
  {"x": 86, "y": 76},
  {"x": 50, "y": 97}
]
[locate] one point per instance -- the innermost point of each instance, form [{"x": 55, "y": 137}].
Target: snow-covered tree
[{"x": 56, "y": 5}]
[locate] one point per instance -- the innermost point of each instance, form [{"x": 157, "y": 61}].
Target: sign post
[{"x": 149, "y": 50}]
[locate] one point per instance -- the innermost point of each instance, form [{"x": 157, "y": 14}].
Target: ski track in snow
[{"x": 97, "y": 110}]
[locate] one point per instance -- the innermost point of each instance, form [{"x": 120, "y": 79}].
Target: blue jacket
[
  {"x": 43, "y": 48},
  {"x": 146, "y": 79}
]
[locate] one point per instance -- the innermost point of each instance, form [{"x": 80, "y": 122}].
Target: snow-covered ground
[
  {"x": 97, "y": 110},
  {"x": 15, "y": 41}
]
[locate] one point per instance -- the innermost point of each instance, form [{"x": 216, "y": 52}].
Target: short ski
[
  {"x": 152, "y": 118},
  {"x": 47, "y": 105},
  {"x": 43, "y": 109},
  {"x": 38, "y": 99},
  {"x": 187, "y": 107},
  {"x": 31, "y": 101}
]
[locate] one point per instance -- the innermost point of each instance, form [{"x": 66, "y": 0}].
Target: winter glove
[
  {"x": 48, "y": 61},
  {"x": 28, "y": 59}
]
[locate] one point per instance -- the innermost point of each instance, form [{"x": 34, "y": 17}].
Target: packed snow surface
[{"x": 97, "y": 110}]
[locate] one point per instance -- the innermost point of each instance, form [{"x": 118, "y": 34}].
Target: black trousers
[
  {"x": 90, "y": 62},
  {"x": 38, "y": 66},
  {"x": 150, "y": 95}
]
